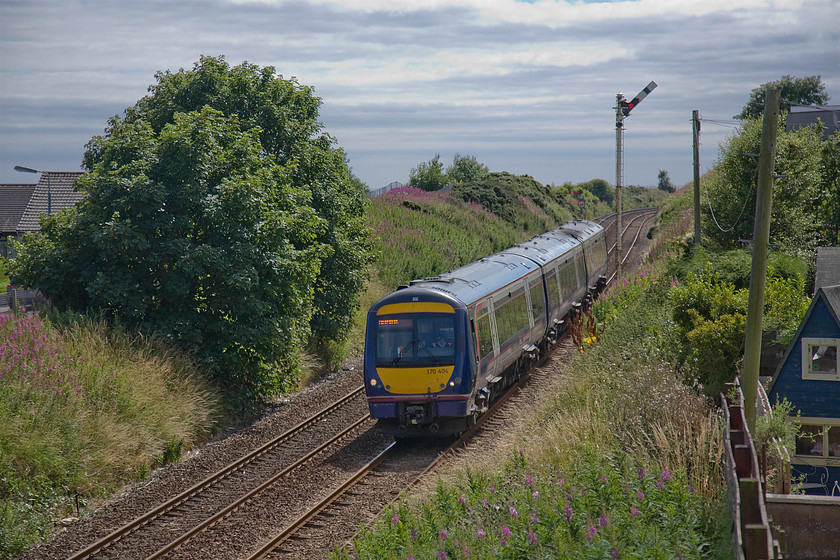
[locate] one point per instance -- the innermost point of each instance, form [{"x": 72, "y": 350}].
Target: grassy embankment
[
  {"x": 83, "y": 409},
  {"x": 622, "y": 462}
]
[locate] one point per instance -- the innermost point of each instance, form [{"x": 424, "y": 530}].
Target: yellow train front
[
  {"x": 417, "y": 363},
  {"x": 438, "y": 352}
]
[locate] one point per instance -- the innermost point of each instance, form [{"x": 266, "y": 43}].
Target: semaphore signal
[
  {"x": 627, "y": 106},
  {"x": 622, "y": 110}
]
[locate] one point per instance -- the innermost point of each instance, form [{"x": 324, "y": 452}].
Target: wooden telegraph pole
[
  {"x": 695, "y": 125},
  {"x": 761, "y": 238},
  {"x": 622, "y": 110}
]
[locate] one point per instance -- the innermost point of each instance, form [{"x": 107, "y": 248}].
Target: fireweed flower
[
  {"x": 592, "y": 532},
  {"x": 641, "y": 473},
  {"x": 444, "y": 535},
  {"x": 568, "y": 512},
  {"x": 532, "y": 537},
  {"x": 535, "y": 494},
  {"x": 512, "y": 511},
  {"x": 640, "y": 495},
  {"x": 528, "y": 480},
  {"x": 481, "y": 534},
  {"x": 634, "y": 512},
  {"x": 666, "y": 475},
  {"x": 506, "y": 532}
]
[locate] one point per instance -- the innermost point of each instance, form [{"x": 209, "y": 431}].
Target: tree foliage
[
  {"x": 218, "y": 215},
  {"x": 466, "y": 169},
  {"x": 792, "y": 91},
  {"x": 665, "y": 183},
  {"x": 801, "y": 214},
  {"x": 428, "y": 176}
]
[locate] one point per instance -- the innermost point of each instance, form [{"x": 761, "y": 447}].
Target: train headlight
[
  {"x": 373, "y": 382},
  {"x": 451, "y": 383}
]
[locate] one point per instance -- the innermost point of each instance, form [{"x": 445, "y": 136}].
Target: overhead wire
[{"x": 725, "y": 124}]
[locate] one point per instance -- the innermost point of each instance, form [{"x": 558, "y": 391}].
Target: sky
[{"x": 527, "y": 87}]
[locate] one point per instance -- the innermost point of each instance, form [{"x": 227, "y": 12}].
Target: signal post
[{"x": 622, "y": 110}]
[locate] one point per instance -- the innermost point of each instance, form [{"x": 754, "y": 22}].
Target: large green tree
[
  {"x": 792, "y": 91},
  {"x": 218, "y": 215},
  {"x": 799, "y": 217},
  {"x": 286, "y": 115}
]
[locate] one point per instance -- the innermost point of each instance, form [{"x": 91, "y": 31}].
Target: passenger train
[{"x": 440, "y": 351}]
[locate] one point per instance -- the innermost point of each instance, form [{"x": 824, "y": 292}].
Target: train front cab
[{"x": 417, "y": 370}]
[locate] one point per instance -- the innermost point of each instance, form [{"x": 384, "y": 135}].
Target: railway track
[
  {"x": 306, "y": 491},
  {"x": 170, "y": 525}
]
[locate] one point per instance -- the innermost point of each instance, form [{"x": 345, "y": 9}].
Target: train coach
[{"x": 439, "y": 351}]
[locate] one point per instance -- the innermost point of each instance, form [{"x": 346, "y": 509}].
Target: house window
[
  {"x": 819, "y": 359},
  {"x": 819, "y": 441}
]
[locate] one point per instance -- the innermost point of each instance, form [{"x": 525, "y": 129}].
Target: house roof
[
  {"x": 828, "y": 267},
  {"x": 831, "y": 296},
  {"x": 57, "y": 187},
  {"x": 800, "y": 116},
  {"x": 15, "y": 199}
]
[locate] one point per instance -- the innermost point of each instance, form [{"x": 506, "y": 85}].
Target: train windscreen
[{"x": 412, "y": 339}]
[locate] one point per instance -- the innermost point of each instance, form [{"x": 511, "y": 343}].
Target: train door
[{"x": 487, "y": 342}]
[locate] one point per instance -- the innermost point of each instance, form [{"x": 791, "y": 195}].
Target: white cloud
[{"x": 530, "y": 85}]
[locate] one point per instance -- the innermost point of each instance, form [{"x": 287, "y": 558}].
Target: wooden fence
[{"x": 753, "y": 536}]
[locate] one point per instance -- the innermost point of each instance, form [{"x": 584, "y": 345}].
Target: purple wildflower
[
  {"x": 506, "y": 532},
  {"x": 569, "y": 513},
  {"x": 634, "y": 512},
  {"x": 481, "y": 534},
  {"x": 444, "y": 535},
  {"x": 532, "y": 537}
]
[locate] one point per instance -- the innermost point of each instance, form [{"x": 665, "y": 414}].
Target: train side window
[
  {"x": 538, "y": 301},
  {"x": 553, "y": 289},
  {"x": 484, "y": 335}
]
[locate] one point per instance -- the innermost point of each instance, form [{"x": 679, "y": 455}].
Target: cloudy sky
[{"x": 526, "y": 87}]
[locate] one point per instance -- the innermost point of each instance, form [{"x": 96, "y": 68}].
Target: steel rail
[
  {"x": 632, "y": 245},
  {"x": 313, "y": 512},
  {"x": 627, "y": 227},
  {"x": 218, "y": 516},
  {"x": 199, "y": 487}
]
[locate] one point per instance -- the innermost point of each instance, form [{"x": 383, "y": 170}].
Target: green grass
[
  {"x": 84, "y": 408},
  {"x": 420, "y": 233}
]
